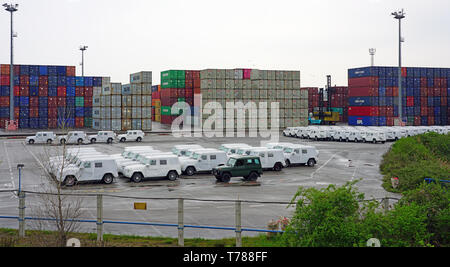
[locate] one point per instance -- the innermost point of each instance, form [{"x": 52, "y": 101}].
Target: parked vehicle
[
  {"x": 75, "y": 137},
  {"x": 248, "y": 167},
  {"x": 300, "y": 154},
  {"x": 271, "y": 159},
  {"x": 103, "y": 137},
  {"x": 41, "y": 138},
  {"x": 154, "y": 166},
  {"x": 180, "y": 150},
  {"x": 132, "y": 136},
  {"x": 277, "y": 145},
  {"x": 203, "y": 161},
  {"x": 231, "y": 149},
  {"x": 101, "y": 169},
  {"x": 373, "y": 136}
]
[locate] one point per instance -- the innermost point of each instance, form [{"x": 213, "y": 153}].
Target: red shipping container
[
  {"x": 4, "y": 101},
  {"x": 4, "y": 80},
  {"x": 430, "y": 121},
  {"x": 25, "y": 80},
  {"x": 16, "y": 90},
  {"x": 70, "y": 71},
  {"x": 79, "y": 122},
  {"x": 189, "y": 93},
  {"x": 364, "y": 111},
  {"x": 4, "y": 70},
  {"x": 189, "y": 84},
  {"x": 437, "y": 91},
  {"x": 424, "y": 91},
  {"x": 362, "y": 91},
  {"x": 16, "y": 70},
  {"x": 196, "y": 75},
  {"x": 417, "y": 121},
  {"x": 430, "y": 111},
  {"x": 61, "y": 101},
  {"x": 197, "y": 83},
  {"x": 88, "y": 102},
  {"x": 395, "y": 91},
  {"x": 181, "y": 93},
  {"x": 410, "y": 101},
  {"x": 16, "y": 112},
  {"x": 62, "y": 91},
  {"x": 24, "y": 91},
  {"x": 197, "y": 90},
  {"x": 444, "y": 101},
  {"x": 364, "y": 82},
  {"x": 34, "y": 112},
  {"x": 53, "y": 112},
  {"x": 390, "y": 111},
  {"x": 89, "y": 91},
  {"x": 34, "y": 101},
  {"x": 389, "y": 91},
  {"x": 424, "y": 101},
  {"x": 43, "y": 80},
  {"x": 52, "y": 123},
  {"x": 404, "y": 72},
  {"x": 443, "y": 92},
  {"x": 79, "y": 91},
  {"x": 423, "y": 82},
  {"x": 43, "y": 90},
  {"x": 383, "y": 111},
  {"x": 52, "y": 102},
  {"x": 424, "y": 111},
  {"x": 3, "y": 123},
  {"x": 389, "y": 121}
]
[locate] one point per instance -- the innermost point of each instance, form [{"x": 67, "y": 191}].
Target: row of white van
[
  {"x": 80, "y": 137},
  {"x": 137, "y": 163},
  {"x": 361, "y": 134}
]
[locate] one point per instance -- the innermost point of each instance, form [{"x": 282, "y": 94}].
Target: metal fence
[{"x": 152, "y": 214}]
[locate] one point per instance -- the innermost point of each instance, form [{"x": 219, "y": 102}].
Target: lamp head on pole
[
  {"x": 399, "y": 14},
  {"x": 11, "y": 7},
  {"x": 83, "y": 48}
]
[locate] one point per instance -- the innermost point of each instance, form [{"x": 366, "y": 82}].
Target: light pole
[
  {"x": 400, "y": 15},
  {"x": 82, "y": 48},
  {"x": 372, "y": 52},
  {"x": 11, "y": 8}
]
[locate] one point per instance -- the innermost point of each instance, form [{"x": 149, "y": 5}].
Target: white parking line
[{"x": 10, "y": 167}]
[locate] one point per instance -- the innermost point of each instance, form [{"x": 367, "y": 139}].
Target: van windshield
[
  {"x": 195, "y": 156},
  {"x": 288, "y": 150}
]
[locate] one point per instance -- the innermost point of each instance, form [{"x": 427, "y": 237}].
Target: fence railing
[{"x": 100, "y": 220}]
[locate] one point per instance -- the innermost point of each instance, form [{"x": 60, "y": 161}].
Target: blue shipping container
[
  {"x": 34, "y": 80},
  {"x": 52, "y": 71},
  {"x": 97, "y": 81},
  {"x": 34, "y": 70},
  {"x": 79, "y": 81},
  {"x": 43, "y": 70},
  {"x": 62, "y": 81},
  {"x": 362, "y": 121},
  {"x": 363, "y": 101},
  {"x": 360, "y": 72},
  {"x": 88, "y": 81},
  {"x": 61, "y": 70},
  {"x": 70, "y": 81},
  {"x": 34, "y": 91},
  {"x": 24, "y": 101},
  {"x": 24, "y": 70}
]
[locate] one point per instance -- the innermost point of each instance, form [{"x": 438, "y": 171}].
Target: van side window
[
  {"x": 270, "y": 155},
  {"x": 262, "y": 155},
  {"x": 204, "y": 157},
  {"x": 153, "y": 162},
  {"x": 304, "y": 151},
  {"x": 297, "y": 151},
  {"x": 213, "y": 157},
  {"x": 163, "y": 162},
  {"x": 87, "y": 165},
  {"x": 98, "y": 165}
]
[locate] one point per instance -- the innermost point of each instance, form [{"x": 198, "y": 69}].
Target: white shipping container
[
  {"x": 96, "y": 124},
  {"x": 141, "y": 77},
  {"x": 221, "y": 74},
  {"x": 146, "y": 101},
  {"x": 136, "y": 124},
  {"x": 147, "y": 113},
  {"x": 116, "y": 125},
  {"x": 106, "y": 89},
  {"x": 97, "y": 91},
  {"x": 127, "y": 101},
  {"x": 146, "y": 125},
  {"x": 126, "y": 113},
  {"x": 116, "y": 113},
  {"x": 105, "y": 113},
  {"x": 208, "y": 74},
  {"x": 126, "y": 89},
  {"x": 254, "y": 75},
  {"x": 296, "y": 84},
  {"x": 106, "y": 81},
  {"x": 105, "y": 124},
  {"x": 238, "y": 84},
  {"x": 220, "y": 84},
  {"x": 96, "y": 113},
  {"x": 238, "y": 74},
  {"x": 136, "y": 89},
  {"x": 116, "y": 88},
  {"x": 146, "y": 89},
  {"x": 136, "y": 100},
  {"x": 96, "y": 101},
  {"x": 246, "y": 84},
  {"x": 116, "y": 101},
  {"x": 229, "y": 74},
  {"x": 136, "y": 113}
]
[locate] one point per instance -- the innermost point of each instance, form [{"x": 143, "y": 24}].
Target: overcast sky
[{"x": 317, "y": 37}]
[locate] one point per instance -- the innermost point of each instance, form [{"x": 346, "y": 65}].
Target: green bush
[{"x": 415, "y": 158}]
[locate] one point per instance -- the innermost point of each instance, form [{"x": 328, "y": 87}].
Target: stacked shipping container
[
  {"x": 339, "y": 100},
  {"x": 156, "y": 103},
  {"x": 47, "y": 97},
  {"x": 373, "y": 96}
]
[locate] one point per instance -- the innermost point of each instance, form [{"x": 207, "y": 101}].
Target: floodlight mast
[
  {"x": 400, "y": 15},
  {"x": 372, "y": 52},
  {"x": 82, "y": 48},
  {"x": 11, "y": 8}
]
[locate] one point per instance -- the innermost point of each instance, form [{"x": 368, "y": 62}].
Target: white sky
[{"x": 318, "y": 37}]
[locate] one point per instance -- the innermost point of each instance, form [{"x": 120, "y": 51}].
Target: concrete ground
[{"x": 338, "y": 164}]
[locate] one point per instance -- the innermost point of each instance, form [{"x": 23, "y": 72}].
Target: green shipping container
[
  {"x": 182, "y": 99},
  {"x": 340, "y": 110},
  {"x": 166, "y": 111},
  {"x": 173, "y": 75},
  {"x": 79, "y": 101},
  {"x": 169, "y": 84},
  {"x": 88, "y": 122},
  {"x": 181, "y": 84}
]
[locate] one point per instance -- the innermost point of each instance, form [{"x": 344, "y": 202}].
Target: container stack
[
  {"x": 173, "y": 85},
  {"x": 252, "y": 85},
  {"x": 339, "y": 102},
  {"x": 102, "y": 104},
  {"x": 46, "y": 97},
  {"x": 156, "y": 103},
  {"x": 373, "y": 96},
  {"x": 141, "y": 101}
]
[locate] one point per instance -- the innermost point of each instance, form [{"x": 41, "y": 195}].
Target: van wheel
[
  {"x": 31, "y": 142},
  {"x": 278, "y": 167},
  {"x": 226, "y": 178},
  {"x": 311, "y": 163},
  {"x": 49, "y": 141},
  {"x": 288, "y": 163},
  {"x": 109, "y": 141},
  {"x": 374, "y": 141},
  {"x": 190, "y": 171},
  {"x": 138, "y": 139},
  {"x": 137, "y": 178},
  {"x": 108, "y": 179},
  {"x": 253, "y": 177},
  {"x": 80, "y": 141},
  {"x": 172, "y": 176},
  {"x": 123, "y": 140},
  {"x": 93, "y": 140},
  {"x": 63, "y": 141},
  {"x": 70, "y": 181}
]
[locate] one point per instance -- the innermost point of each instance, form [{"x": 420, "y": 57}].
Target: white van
[
  {"x": 41, "y": 138},
  {"x": 101, "y": 169},
  {"x": 271, "y": 159},
  {"x": 300, "y": 154},
  {"x": 75, "y": 137},
  {"x": 203, "y": 161},
  {"x": 103, "y": 137},
  {"x": 278, "y": 145},
  {"x": 132, "y": 136},
  {"x": 180, "y": 150},
  {"x": 154, "y": 166},
  {"x": 231, "y": 149},
  {"x": 373, "y": 136}
]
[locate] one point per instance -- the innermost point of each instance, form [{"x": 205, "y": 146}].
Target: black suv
[{"x": 247, "y": 166}]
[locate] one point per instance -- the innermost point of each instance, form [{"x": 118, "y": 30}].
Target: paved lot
[{"x": 338, "y": 164}]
